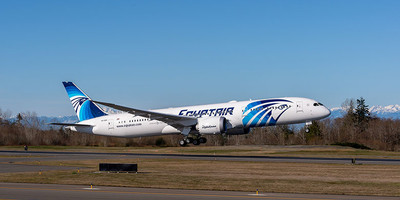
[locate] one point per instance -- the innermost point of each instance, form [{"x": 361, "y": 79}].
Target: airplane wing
[
  {"x": 70, "y": 124},
  {"x": 172, "y": 120}
]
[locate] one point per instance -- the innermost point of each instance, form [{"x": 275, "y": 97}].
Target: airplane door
[
  {"x": 110, "y": 125},
  {"x": 299, "y": 106},
  {"x": 242, "y": 110}
]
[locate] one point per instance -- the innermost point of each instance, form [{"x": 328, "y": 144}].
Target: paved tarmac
[
  {"x": 24, "y": 191},
  {"x": 48, "y": 155}
]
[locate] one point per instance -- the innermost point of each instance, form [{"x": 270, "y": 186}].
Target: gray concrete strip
[
  {"x": 48, "y": 155},
  {"x": 62, "y": 192}
]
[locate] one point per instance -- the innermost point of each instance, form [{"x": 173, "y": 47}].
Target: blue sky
[{"x": 156, "y": 54}]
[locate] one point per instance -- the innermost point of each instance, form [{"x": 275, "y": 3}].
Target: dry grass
[{"x": 230, "y": 175}]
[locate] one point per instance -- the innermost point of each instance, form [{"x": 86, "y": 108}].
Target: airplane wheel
[
  {"x": 307, "y": 130},
  {"x": 203, "y": 140},
  {"x": 189, "y": 140},
  {"x": 196, "y": 142},
  {"x": 182, "y": 143}
]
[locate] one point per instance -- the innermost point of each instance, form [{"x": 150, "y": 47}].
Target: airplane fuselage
[{"x": 236, "y": 115}]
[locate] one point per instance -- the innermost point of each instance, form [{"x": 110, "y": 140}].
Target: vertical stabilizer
[{"x": 85, "y": 109}]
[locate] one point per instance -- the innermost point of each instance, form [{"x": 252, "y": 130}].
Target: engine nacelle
[
  {"x": 212, "y": 125},
  {"x": 238, "y": 131}
]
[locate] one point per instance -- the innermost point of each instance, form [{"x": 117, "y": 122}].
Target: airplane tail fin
[{"x": 84, "y": 107}]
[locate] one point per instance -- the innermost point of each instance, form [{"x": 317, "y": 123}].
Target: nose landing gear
[{"x": 308, "y": 124}]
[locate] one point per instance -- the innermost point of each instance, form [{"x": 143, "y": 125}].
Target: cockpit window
[{"x": 318, "y": 104}]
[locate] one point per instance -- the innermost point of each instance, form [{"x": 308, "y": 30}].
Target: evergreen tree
[
  {"x": 19, "y": 118},
  {"x": 362, "y": 114}
]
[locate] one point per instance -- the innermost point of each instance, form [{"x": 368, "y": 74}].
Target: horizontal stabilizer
[{"x": 70, "y": 124}]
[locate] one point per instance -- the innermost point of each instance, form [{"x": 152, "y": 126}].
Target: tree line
[{"x": 355, "y": 128}]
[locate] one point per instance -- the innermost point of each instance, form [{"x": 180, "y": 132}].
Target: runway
[
  {"x": 49, "y": 155},
  {"x": 63, "y": 192}
]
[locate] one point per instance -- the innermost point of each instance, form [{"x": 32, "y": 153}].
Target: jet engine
[{"x": 212, "y": 125}]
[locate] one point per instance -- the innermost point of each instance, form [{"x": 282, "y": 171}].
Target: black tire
[
  {"x": 203, "y": 140},
  {"x": 189, "y": 140},
  {"x": 196, "y": 142},
  {"x": 182, "y": 143}
]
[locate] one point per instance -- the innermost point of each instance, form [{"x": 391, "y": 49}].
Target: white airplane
[{"x": 193, "y": 122}]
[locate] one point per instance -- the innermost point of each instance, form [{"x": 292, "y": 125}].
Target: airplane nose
[{"x": 327, "y": 112}]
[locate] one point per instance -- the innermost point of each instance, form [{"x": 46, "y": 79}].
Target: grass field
[{"x": 229, "y": 175}]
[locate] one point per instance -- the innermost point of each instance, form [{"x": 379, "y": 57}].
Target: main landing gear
[{"x": 194, "y": 140}]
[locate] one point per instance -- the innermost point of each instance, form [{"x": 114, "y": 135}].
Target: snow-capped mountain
[
  {"x": 390, "y": 111},
  {"x": 385, "y": 109},
  {"x": 110, "y": 110},
  {"x": 60, "y": 119},
  {"x": 337, "y": 112},
  {"x": 43, "y": 121}
]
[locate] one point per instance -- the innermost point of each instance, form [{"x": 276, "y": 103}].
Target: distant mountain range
[
  {"x": 45, "y": 120},
  {"x": 390, "y": 111},
  {"x": 60, "y": 119}
]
